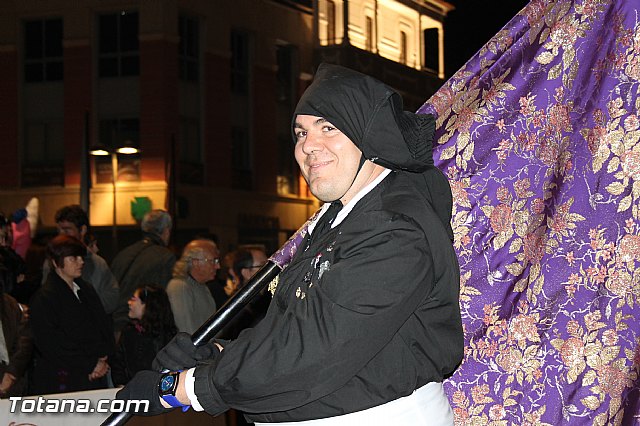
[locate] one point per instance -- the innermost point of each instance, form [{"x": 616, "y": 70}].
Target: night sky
[{"x": 471, "y": 25}]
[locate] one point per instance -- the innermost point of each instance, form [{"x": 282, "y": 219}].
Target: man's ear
[
  {"x": 83, "y": 232},
  {"x": 53, "y": 263}
]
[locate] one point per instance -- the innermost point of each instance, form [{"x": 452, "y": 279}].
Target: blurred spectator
[
  {"x": 15, "y": 265},
  {"x": 147, "y": 261},
  {"x": 191, "y": 300},
  {"x": 74, "y": 222},
  {"x": 241, "y": 264},
  {"x": 151, "y": 326},
  {"x": 21, "y": 232},
  {"x": 16, "y": 345},
  {"x": 72, "y": 333},
  {"x": 36, "y": 257}
]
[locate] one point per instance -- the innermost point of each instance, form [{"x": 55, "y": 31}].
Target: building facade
[{"x": 204, "y": 89}]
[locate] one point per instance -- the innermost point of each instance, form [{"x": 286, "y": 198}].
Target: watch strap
[{"x": 174, "y": 402}]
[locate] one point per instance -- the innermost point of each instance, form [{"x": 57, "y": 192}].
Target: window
[
  {"x": 118, "y": 132},
  {"x": 287, "y": 78},
  {"x": 190, "y": 149},
  {"x": 241, "y": 158},
  {"x": 241, "y": 110},
  {"x": 369, "y": 34},
  {"x": 431, "y": 51},
  {"x": 115, "y": 133},
  {"x": 240, "y": 62},
  {"x": 191, "y": 164},
  {"x": 189, "y": 48},
  {"x": 286, "y": 58},
  {"x": 331, "y": 22},
  {"x": 403, "y": 47},
  {"x": 43, "y": 50},
  {"x": 43, "y": 154},
  {"x": 118, "y": 45}
]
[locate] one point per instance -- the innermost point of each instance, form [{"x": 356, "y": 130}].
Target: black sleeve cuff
[{"x": 206, "y": 391}]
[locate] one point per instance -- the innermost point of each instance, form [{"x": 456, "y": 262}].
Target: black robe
[
  {"x": 363, "y": 315},
  {"x": 69, "y": 336}
]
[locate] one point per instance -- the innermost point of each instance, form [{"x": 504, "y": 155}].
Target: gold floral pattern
[{"x": 539, "y": 135}]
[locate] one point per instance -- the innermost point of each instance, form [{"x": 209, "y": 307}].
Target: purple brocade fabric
[{"x": 539, "y": 135}]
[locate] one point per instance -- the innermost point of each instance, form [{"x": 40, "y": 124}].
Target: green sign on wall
[{"x": 139, "y": 207}]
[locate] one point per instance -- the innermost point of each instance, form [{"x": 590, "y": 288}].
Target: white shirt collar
[
  {"x": 351, "y": 204},
  {"x": 75, "y": 289}
]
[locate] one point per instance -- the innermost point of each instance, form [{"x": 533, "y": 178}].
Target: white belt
[{"x": 427, "y": 405}]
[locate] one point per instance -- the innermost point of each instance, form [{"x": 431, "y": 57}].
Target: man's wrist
[{"x": 173, "y": 395}]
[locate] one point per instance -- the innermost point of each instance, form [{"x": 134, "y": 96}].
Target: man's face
[
  {"x": 204, "y": 268},
  {"x": 259, "y": 260},
  {"x": 70, "y": 229},
  {"x": 327, "y": 158}
]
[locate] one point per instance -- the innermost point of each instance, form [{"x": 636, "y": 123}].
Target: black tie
[{"x": 324, "y": 224}]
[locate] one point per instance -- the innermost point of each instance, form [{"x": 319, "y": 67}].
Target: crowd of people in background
[{"x": 72, "y": 322}]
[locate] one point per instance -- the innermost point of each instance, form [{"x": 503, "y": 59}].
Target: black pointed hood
[{"x": 370, "y": 113}]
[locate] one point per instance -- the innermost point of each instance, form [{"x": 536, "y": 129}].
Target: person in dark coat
[
  {"x": 73, "y": 221},
  {"x": 150, "y": 329},
  {"x": 16, "y": 345},
  {"x": 72, "y": 333}
]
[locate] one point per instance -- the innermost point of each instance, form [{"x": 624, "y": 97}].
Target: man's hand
[
  {"x": 180, "y": 353},
  {"x": 144, "y": 386}
]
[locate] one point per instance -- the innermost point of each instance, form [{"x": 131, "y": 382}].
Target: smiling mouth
[{"x": 318, "y": 165}]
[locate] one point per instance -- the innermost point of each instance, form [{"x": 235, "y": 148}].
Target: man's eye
[{"x": 300, "y": 134}]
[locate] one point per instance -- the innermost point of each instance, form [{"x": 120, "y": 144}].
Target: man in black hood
[{"x": 364, "y": 324}]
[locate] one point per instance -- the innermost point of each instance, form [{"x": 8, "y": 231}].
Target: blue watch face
[{"x": 166, "y": 384}]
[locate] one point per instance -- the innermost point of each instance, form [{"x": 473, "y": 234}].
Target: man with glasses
[
  {"x": 191, "y": 300},
  {"x": 240, "y": 266}
]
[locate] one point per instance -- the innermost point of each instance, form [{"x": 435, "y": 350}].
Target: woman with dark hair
[
  {"x": 151, "y": 327},
  {"x": 72, "y": 333}
]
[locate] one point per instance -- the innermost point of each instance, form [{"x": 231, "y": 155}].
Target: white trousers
[{"x": 427, "y": 405}]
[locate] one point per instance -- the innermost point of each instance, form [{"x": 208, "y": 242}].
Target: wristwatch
[{"x": 167, "y": 389}]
